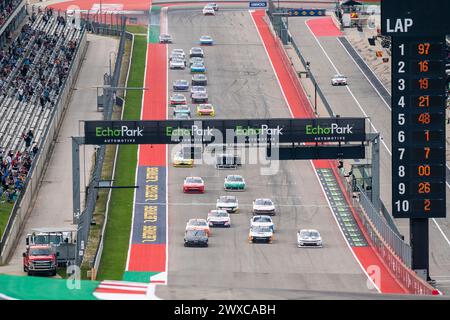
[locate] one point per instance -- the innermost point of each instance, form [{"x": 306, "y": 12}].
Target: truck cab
[
  {"x": 40, "y": 259},
  {"x": 61, "y": 240}
]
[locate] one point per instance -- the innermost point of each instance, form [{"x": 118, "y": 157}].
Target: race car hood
[
  {"x": 262, "y": 224},
  {"x": 196, "y": 238},
  {"x": 195, "y": 185},
  {"x": 234, "y": 182},
  {"x": 261, "y": 234},
  {"x": 226, "y": 204},
  {"x": 308, "y": 238},
  {"x": 218, "y": 219},
  {"x": 264, "y": 207}
]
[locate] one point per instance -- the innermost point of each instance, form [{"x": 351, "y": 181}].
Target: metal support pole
[
  {"x": 315, "y": 98},
  {"x": 76, "y": 142},
  {"x": 376, "y": 172},
  {"x": 76, "y": 178},
  {"x": 418, "y": 229}
]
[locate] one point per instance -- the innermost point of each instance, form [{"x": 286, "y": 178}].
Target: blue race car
[
  {"x": 198, "y": 68},
  {"x": 180, "y": 85},
  {"x": 206, "y": 40}
]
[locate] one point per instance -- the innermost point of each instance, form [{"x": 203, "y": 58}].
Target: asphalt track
[
  {"x": 367, "y": 102},
  {"x": 241, "y": 83}
]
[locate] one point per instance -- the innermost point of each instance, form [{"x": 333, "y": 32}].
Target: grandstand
[{"x": 33, "y": 70}]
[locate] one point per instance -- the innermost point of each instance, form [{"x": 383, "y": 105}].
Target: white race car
[
  {"x": 228, "y": 203},
  {"x": 219, "y": 218},
  {"x": 260, "y": 234},
  {"x": 339, "y": 80},
  {"x": 195, "y": 89},
  {"x": 309, "y": 237},
  {"x": 263, "y": 206},
  {"x": 178, "y": 52},
  {"x": 177, "y": 64},
  {"x": 262, "y": 221},
  {"x": 209, "y": 11}
]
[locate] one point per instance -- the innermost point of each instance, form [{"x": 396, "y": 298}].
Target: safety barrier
[
  {"x": 95, "y": 264},
  {"x": 372, "y": 224}
]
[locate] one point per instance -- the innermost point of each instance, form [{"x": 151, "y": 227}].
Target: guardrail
[
  {"x": 394, "y": 260},
  {"x": 31, "y": 185},
  {"x": 95, "y": 264},
  {"x": 86, "y": 216}
]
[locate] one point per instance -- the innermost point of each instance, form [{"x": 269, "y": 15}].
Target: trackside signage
[{"x": 225, "y": 131}]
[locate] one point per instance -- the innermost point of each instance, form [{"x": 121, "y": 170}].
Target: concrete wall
[{"x": 43, "y": 157}]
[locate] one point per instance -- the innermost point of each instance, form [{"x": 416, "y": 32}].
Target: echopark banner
[{"x": 225, "y": 131}]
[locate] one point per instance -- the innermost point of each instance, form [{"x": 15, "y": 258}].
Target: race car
[
  {"x": 198, "y": 68},
  {"x": 260, "y": 234},
  {"x": 182, "y": 160},
  {"x": 193, "y": 184},
  {"x": 215, "y": 6},
  {"x": 199, "y": 80},
  {"x": 219, "y": 218},
  {"x": 263, "y": 206},
  {"x": 228, "y": 203},
  {"x": 309, "y": 237},
  {"x": 196, "y": 60},
  {"x": 178, "y": 52},
  {"x": 196, "y": 52},
  {"x": 182, "y": 108},
  {"x": 177, "y": 64},
  {"x": 234, "y": 183},
  {"x": 195, "y": 238},
  {"x": 165, "y": 38},
  {"x": 180, "y": 85},
  {"x": 339, "y": 80},
  {"x": 263, "y": 221},
  {"x": 206, "y": 40},
  {"x": 181, "y": 116},
  {"x": 208, "y": 11},
  {"x": 200, "y": 97},
  {"x": 177, "y": 99},
  {"x": 198, "y": 224},
  {"x": 195, "y": 89},
  {"x": 205, "y": 109},
  {"x": 228, "y": 161}
]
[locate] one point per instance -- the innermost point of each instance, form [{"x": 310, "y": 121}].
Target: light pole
[{"x": 115, "y": 56}]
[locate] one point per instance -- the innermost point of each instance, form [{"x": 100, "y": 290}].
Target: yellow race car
[
  {"x": 180, "y": 160},
  {"x": 205, "y": 109}
]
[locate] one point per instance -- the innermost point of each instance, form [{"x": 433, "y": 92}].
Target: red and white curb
[{"x": 122, "y": 290}]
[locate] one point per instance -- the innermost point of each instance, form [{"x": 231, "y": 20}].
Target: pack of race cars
[{"x": 198, "y": 230}]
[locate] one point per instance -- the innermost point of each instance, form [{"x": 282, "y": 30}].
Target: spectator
[
  {"x": 35, "y": 150},
  {"x": 27, "y": 139}
]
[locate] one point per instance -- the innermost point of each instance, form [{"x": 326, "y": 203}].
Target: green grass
[
  {"x": 137, "y": 29},
  {"x": 5, "y": 212},
  {"x": 118, "y": 228}
]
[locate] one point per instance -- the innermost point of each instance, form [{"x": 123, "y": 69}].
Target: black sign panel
[
  {"x": 225, "y": 131},
  {"x": 418, "y": 126},
  {"x": 415, "y": 17}
]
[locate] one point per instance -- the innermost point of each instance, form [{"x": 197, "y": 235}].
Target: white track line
[
  {"x": 312, "y": 164},
  {"x": 365, "y": 114},
  {"x": 166, "y": 30}
]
